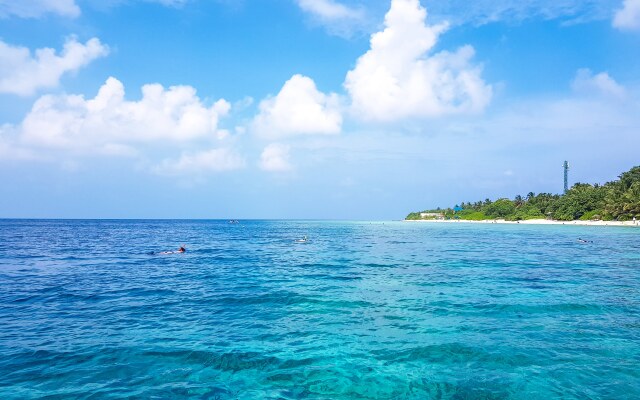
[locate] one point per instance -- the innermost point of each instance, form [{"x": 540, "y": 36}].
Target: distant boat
[{"x": 234, "y": 221}]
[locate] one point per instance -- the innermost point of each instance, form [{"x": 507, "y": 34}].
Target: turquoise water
[{"x": 88, "y": 309}]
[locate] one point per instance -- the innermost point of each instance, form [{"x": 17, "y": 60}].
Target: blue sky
[{"x": 339, "y": 109}]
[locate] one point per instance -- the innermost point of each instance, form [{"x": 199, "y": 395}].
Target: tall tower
[{"x": 566, "y": 176}]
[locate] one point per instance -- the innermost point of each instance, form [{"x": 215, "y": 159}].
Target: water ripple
[{"x": 363, "y": 310}]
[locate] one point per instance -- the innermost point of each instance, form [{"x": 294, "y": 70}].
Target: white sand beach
[{"x": 634, "y": 224}]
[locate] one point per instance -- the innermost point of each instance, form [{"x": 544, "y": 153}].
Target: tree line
[{"x": 618, "y": 200}]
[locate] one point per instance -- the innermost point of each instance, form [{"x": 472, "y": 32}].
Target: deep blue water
[{"x": 362, "y": 311}]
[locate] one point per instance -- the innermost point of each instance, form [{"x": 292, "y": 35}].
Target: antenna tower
[{"x": 566, "y": 176}]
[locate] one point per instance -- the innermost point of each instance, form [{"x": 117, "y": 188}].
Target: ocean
[{"x": 91, "y": 309}]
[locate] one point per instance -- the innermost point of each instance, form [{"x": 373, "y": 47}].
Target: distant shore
[{"x": 633, "y": 224}]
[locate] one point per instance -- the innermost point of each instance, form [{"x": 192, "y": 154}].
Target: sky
[{"x": 309, "y": 109}]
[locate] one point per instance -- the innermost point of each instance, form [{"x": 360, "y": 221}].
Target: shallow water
[{"x": 364, "y": 310}]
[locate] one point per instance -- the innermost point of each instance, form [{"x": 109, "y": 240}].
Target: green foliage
[
  {"x": 617, "y": 200},
  {"x": 526, "y": 211},
  {"x": 580, "y": 199},
  {"x": 594, "y": 215},
  {"x": 501, "y": 208},
  {"x": 471, "y": 215},
  {"x": 476, "y": 216},
  {"x": 544, "y": 202},
  {"x": 622, "y": 201}
]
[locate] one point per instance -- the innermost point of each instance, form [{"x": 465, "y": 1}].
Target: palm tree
[{"x": 518, "y": 200}]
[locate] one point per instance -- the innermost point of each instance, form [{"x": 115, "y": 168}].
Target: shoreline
[{"x": 630, "y": 224}]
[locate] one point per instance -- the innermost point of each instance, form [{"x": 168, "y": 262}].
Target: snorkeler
[{"x": 182, "y": 249}]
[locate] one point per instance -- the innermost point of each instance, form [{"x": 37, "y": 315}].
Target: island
[{"x": 616, "y": 202}]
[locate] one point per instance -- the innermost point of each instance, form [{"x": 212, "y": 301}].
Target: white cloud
[
  {"x": 338, "y": 18},
  {"x": 275, "y": 158},
  {"x": 162, "y": 131},
  {"x": 9, "y": 150},
  {"x": 38, "y": 8},
  {"x": 628, "y": 17},
  {"x": 397, "y": 77},
  {"x": 22, "y": 73},
  {"x": 602, "y": 83},
  {"x": 476, "y": 12},
  {"x": 328, "y": 9},
  {"x": 299, "y": 109},
  {"x": 216, "y": 160},
  {"x": 108, "y": 121}
]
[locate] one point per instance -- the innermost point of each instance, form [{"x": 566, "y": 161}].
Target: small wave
[
  {"x": 230, "y": 361},
  {"x": 454, "y": 353}
]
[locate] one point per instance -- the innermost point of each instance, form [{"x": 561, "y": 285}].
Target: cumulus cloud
[
  {"x": 628, "y": 17},
  {"x": 275, "y": 158},
  {"x": 299, "y": 109},
  {"x": 399, "y": 78},
  {"x": 586, "y": 82},
  {"x": 22, "y": 73},
  {"x": 9, "y": 150},
  {"x": 38, "y": 8},
  {"x": 110, "y": 122},
  {"x": 215, "y": 160}
]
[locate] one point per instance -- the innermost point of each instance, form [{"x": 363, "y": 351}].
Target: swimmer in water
[
  {"x": 182, "y": 249},
  {"x": 584, "y": 241}
]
